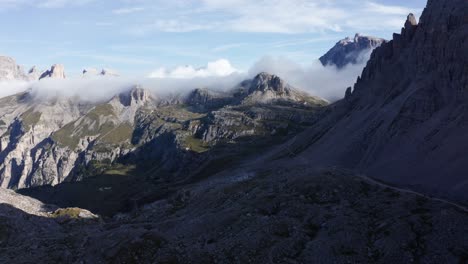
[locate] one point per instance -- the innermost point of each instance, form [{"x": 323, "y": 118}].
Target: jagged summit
[
  {"x": 267, "y": 88},
  {"x": 351, "y": 50},
  {"x": 265, "y": 82},
  {"x": 57, "y": 71}
]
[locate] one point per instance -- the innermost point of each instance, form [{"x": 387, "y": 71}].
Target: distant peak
[
  {"x": 348, "y": 50},
  {"x": 57, "y": 71}
]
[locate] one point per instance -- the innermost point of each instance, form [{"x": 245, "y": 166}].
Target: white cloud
[
  {"x": 219, "y": 68},
  {"x": 277, "y": 16},
  {"x": 8, "y": 4},
  {"x": 327, "y": 82},
  {"x": 386, "y": 9},
  {"x": 228, "y": 47},
  {"x": 129, "y": 10},
  {"x": 12, "y": 87},
  {"x": 62, "y": 3}
]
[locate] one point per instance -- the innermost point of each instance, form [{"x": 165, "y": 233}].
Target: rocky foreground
[{"x": 275, "y": 215}]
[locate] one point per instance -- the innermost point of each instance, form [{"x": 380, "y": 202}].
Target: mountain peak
[
  {"x": 137, "y": 96},
  {"x": 57, "y": 71},
  {"x": 350, "y": 50},
  {"x": 264, "y": 82},
  {"x": 411, "y": 21}
]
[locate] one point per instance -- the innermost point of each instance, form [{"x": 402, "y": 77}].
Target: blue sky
[{"x": 136, "y": 37}]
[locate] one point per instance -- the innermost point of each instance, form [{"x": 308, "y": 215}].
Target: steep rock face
[
  {"x": 27, "y": 137},
  {"x": 351, "y": 51},
  {"x": 406, "y": 120},
  {"x": 57, "y": 71}
]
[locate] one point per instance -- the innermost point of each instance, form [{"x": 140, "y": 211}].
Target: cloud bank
[
  {"x": 327, "y": 82},
  {"x": 219, "y": 68}
]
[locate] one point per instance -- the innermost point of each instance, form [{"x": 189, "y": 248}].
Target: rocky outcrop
[
  {"x": 33, "y": 74},
  {"x": 57, "y": 71},
  {"x": 267, "y": 88},
  {"x": 351, "y": 51},
  {"x": 205, "y": 99},
  {"x": 406, "y": 119}
]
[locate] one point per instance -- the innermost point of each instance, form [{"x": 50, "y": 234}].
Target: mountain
[
  {"x": 253, "y": 188},
  {"x": 57, "y": 71},
  {"x": 351, "y": 51},
  {"x": 405, "y": 120},
  {"x": 10, "y": 71},
  {"x": 49, "y": 141}
]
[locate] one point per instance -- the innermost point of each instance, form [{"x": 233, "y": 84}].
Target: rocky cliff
[
  {"x": 10, "y": 71},
  {"x": 406, "y": 118},
  {"x": 351, "y": 51}
]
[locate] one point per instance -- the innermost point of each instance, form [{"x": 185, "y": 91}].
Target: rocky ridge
[{"x": 405, "y": 119}]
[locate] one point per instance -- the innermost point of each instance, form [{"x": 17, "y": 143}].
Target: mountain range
[{"x": 259, "y": 173}]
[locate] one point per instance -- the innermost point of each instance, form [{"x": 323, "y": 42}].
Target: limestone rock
[
  {"x": 57, "y": 71},
  {"x": 33, "y": 74},
  {"x": 9, "y": 70}
]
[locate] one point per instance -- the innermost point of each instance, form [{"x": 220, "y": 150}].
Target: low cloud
[
  {"x": 219, "y": 68},
  {"x": 327, "y": 82},
  {"x": 12, "y": 87}
]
